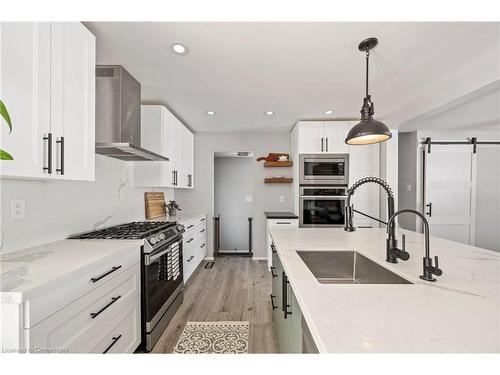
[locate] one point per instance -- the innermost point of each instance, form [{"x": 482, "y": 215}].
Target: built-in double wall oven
[{"x": 324, "y": 179}]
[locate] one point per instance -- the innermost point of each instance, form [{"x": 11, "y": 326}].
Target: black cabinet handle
[
  {"x": 285, "y": 296},
  {"x": 326, "y": 141},
  {"x": 190, "y": 240},
  {"x": 96, "y": 279},
  {"x": 190, "y": 180},
  {"x": 272, "y": 302},
  {"x": 272, "y": 271},
  {"x": 115, "y": 339},
  {"x": 273, "y": 249},
  {"x": 190, "y": 226},
  {"x": 203, "y": 230},
  {"x": 284, "y": 222},
  {"x": 429, "y": 213},
  {"x": 61, "y": 143},
  {"x": 190, "y": 258},
  {"x": 48, "y": 168},
  {"x": 96, "y": 314},
  {"x": 321, "y": 144},
  {"x": 173, "y": 178},
  {"x": 203, "y": 219},
  {"x": 202, "y": 245}
]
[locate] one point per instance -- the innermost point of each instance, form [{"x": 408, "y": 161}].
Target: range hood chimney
[{"x": 118, "y": 116}]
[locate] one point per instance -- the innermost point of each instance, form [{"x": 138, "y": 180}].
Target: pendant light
[{"x": 368, "y": 131}]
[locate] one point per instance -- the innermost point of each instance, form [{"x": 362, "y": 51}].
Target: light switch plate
[
  {"x": 17, "y": 209},
  {"x": 282, "y": 198}
]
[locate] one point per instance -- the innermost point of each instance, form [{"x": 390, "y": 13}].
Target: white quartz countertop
[
  {"x": 460, "y": 312},
  {"x": 24, "y": 271}
]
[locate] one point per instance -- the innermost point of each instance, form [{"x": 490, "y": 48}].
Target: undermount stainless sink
[{"x": 347, "y": 267}]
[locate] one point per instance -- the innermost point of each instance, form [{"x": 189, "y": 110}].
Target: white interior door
[{"x": 450, "y": 192}]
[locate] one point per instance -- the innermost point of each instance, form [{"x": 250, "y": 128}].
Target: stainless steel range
[{"x": 161, "y": 271}]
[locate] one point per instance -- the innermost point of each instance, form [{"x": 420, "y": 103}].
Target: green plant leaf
[
  {"x": 5, "y": 114},
  {"x": 4, "y": 155}
]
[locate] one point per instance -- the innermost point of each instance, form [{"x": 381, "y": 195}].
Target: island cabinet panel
[{"x": 287, "y": 315}]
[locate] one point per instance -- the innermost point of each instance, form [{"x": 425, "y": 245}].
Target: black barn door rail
[{"x": 472, "y": 141}]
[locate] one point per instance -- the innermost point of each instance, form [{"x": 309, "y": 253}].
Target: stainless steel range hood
[{"x": 118, "y": 116}]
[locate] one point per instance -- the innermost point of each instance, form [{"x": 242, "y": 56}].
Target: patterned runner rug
[{"x": 213, "y": 338}]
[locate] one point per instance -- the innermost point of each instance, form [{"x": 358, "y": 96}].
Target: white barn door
[{"x": 450, "y": 188}]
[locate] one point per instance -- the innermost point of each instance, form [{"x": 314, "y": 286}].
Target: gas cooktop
[{"x": 134, "y": 230}]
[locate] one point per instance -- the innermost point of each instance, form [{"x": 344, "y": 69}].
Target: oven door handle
[
  {"x": 148, "y": 259},
  {"x": 324, "y": 197}
]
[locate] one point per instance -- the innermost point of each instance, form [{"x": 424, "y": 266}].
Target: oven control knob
[
  {"x": 153, "y": 240},
  {"x": 161, "y": 237},
  {"x": 180, "y": 227}
]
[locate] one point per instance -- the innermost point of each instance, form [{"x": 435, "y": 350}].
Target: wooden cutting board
[{"x": 155, "y": 205}]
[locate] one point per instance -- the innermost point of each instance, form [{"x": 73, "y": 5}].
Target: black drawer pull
[
  {"x": 96, "y": 279},
  {"x": 273, "y": 249},
  {"x": 285, "y": 296},
  {"x": 283, "y": 222},
  {"x": 115, "y": 339},
  {"x": 203, "y": 230},
  {"x": 113, "y": 300},
  {"x": 190, "y": 226},
  {"x": 190, "y": 258},
  {"x": 203, "y": 219},
  {"x": 202, "y": 245},
  {"x": 272, "y": 302},
  {"x": 272, "y": 271},
  {"x": 190, "y": 240}
]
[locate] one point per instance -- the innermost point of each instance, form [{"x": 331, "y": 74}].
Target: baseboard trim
[
  {"x": 259, "y": 258},
  {"x": 208, "y": 258}
]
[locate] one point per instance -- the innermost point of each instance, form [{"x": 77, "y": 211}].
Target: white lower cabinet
[
  {"x": 194, "y": 244},
  {"x": 276, "y": 223},
  {"x": 98, "y": 311}
]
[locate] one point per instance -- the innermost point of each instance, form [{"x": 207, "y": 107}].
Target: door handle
[
  {"x": 429, "y": 213},
  {"x": 272, "y": 302},
  {"x": 272, "y": 271},
  {"x": 321, "y": 144},
  {"x": 114, "y": 340},
  {"x": 60, "y": 142},
  {"x": 48, "y": 138}
]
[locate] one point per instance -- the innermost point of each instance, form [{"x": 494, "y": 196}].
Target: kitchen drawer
[
  {"x": 72, "y": 326},
  {"x": 191, "y": 223},
  {"x": 283, "y": 222},
  {"x": 123, "y": 335},
  {"x": 55, "y": 297},
  {"x": 200, "y": 250}
]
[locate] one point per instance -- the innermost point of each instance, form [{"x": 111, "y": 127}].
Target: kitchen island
[{"x": 460, "y": 312}]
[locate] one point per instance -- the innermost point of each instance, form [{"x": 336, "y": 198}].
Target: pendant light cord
[{"x": 367, "y": 61}]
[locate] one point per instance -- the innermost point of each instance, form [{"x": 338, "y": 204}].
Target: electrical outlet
[
  {"x": 17, "y": 209},
  {"x": 282, "y": 198}
]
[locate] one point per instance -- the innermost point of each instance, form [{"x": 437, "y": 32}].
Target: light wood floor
[{"x": 235, "y": 289}]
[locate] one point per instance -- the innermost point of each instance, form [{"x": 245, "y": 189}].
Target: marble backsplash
[{"x": 57, "y": 209}]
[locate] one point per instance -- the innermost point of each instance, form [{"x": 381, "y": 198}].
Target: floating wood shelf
[
  {"x": 285, "y": 164},
  {"x": 278, "y": 180}
]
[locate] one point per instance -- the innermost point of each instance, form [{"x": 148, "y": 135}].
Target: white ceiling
[{"x": 299, "y": 70}]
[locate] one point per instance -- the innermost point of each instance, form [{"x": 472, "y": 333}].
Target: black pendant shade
[{"x": 368, "y": 131}]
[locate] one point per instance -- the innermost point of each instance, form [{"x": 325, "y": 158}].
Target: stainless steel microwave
[{"x": 324, "y": 169}]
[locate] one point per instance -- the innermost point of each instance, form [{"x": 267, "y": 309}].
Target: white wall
[
  {"x": 266, "y": 196},
  {"x": 407, "y": 184},
  {"x": 57, "y": 209},
  {"x": 488, "y": 198}
]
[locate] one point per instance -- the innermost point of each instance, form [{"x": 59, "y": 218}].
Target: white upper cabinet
[
  {"x": 47, "y": 83},
  {"x": 163, "y": 133},
  {"x": 311, "y": 140},
  {"x": 25, "y": 90},
  {"x": 322, "y": 136},
  {"x": 73, "y": 100}
]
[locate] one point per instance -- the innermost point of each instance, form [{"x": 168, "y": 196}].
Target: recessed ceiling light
[
  {"x": 329, "y": 112},
  {"x": 179, "y": 49},
  {"x": 269, "y": 113},
  {"x": 210, "y": 113}
]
